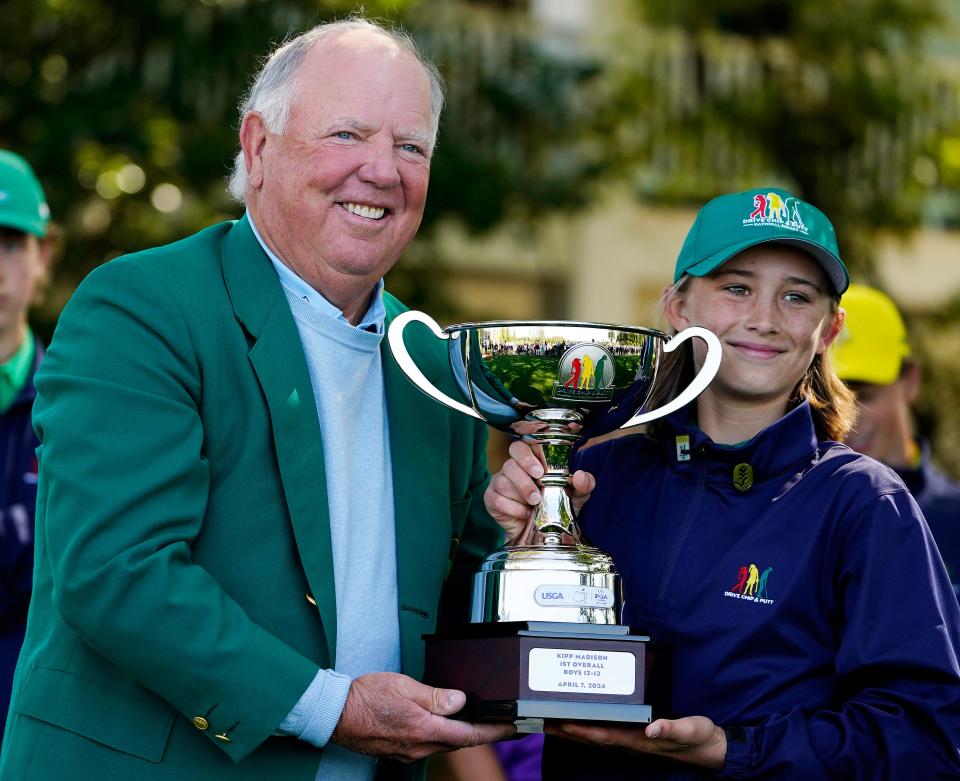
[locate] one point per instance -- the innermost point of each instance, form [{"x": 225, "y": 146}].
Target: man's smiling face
[{"x": 339, "y": 194}]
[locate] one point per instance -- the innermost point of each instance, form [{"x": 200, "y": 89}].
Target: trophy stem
[{"x": 552, "y": 521}]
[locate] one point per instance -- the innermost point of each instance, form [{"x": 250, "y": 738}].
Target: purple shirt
[{"x": 521, "y": 758}]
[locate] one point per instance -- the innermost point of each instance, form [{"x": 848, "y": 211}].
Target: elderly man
[{"x": 245, "y": 511}]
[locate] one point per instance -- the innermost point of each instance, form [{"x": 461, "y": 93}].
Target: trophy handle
[
  {"x": 706, "y": 374},
  {"x": 407, "y": 365}
]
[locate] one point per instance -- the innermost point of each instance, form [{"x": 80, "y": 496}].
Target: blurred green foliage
[
  {"x": 836, "y": 101},
  {"x": 128, "y": 113}
]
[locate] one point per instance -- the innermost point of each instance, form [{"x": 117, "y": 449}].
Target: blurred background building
[{"x": 579, "y": 138}]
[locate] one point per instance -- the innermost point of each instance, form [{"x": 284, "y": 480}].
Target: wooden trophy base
[{"x": 531, "y": 671}]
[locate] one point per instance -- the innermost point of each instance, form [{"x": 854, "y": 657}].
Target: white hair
[{"x": 274, "y": 89}]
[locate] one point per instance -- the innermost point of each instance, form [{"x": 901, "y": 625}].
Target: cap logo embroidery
[
  {"x": 751, "y": 585},
  {"x": 772, "y": 210}
]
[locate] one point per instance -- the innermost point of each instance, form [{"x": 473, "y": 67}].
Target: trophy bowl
[
  {"x": 543, "y": 381},
  {"x": 547, "y": 382}
]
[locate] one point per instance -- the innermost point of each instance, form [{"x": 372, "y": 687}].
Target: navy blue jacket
[
  {"x": 939, "y": 498},
  {"x": 18, "y": 499},
  {"x": 811, "y": 608}
]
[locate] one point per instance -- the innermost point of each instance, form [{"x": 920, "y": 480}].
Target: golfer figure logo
[
  {"x": 751, "y": 582},
  {"x": 770, "y": 208},
  {"x": 585, "y": 374}
]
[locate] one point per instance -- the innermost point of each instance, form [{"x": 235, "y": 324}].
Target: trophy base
[
  {"x": 571, "y": 585},
  {"x": 529, "y": 672}
]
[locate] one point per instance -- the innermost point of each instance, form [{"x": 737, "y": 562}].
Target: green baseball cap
[
  {"x": 23, "y": 206},
  {"x": 731, "y": 223}
]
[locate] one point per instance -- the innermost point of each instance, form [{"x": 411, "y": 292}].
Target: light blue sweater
[{"x": 347, "y": 376}]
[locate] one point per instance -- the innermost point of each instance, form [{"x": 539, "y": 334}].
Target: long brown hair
[{"x": 832, "y": 403}]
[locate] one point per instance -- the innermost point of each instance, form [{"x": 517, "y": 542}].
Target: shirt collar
[
  {"x": 15, "y": 371},
  {"x": 776, "y": 449},
  {"x": 372, "y": 320}
]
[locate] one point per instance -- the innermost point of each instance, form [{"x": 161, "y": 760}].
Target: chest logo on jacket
[
  {"x": 751, "y": 585},
  {"x": 743, "y": 477}
]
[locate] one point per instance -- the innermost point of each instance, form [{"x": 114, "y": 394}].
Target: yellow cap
[{"x": 873, "y": 343}]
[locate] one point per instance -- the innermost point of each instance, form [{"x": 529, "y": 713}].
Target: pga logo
[{"x": 603, "y": 597}]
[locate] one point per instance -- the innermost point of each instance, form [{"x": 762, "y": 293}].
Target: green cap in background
[
  {"x": 23, "y": 206},
  {"x": 731, "y": 223}
]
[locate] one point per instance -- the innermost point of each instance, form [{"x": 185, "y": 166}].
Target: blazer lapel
[
  {"x": 419, "y": 454},
  {"x": 278, "y": 361}
]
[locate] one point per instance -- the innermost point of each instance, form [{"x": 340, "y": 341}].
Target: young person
[
  {"x": 813, "y": 626},
  {"x": 25, "y": 250}
]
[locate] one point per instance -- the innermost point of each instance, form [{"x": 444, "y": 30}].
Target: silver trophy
[{"x": 547, "y": 382}]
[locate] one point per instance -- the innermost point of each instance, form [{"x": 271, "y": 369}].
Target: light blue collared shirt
[{"x": 373, "y": 319}]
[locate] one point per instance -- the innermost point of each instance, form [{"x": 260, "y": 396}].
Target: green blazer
[{"x": 184, "y": 594}]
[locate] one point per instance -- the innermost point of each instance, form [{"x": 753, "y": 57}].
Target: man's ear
[
  {"x": 910, "y": 380},
  {"x": 253, "y": 137},
  {"x": 831, "y": 331}
]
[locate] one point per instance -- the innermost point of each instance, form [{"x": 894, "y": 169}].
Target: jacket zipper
[{"x": 692, "y": 509}]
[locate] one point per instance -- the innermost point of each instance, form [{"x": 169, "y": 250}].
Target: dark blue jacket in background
[
  {"x": 811, "y": 608},
  {"x": 939, "y": 499},
  {"x": 18, "y": 499}
]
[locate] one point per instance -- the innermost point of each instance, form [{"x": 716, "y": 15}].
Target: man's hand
[
  {"x": 392, "y": 716},
  {"x": 694, "y": 740},
  {"x": 512, "y": 491}
]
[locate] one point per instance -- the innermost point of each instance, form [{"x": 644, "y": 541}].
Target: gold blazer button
[
  {"x": 311, "y": 600},
  {"x": 223, "y": 737},
  {"x": 200, "y": 723}
]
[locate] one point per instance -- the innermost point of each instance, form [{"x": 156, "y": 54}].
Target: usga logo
[
  {"x": 771, "y": 209},
  {"x": 751, "y": 585},
  {"x": 574, "y": 596},
  {"x": 585, "y": 374}
]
